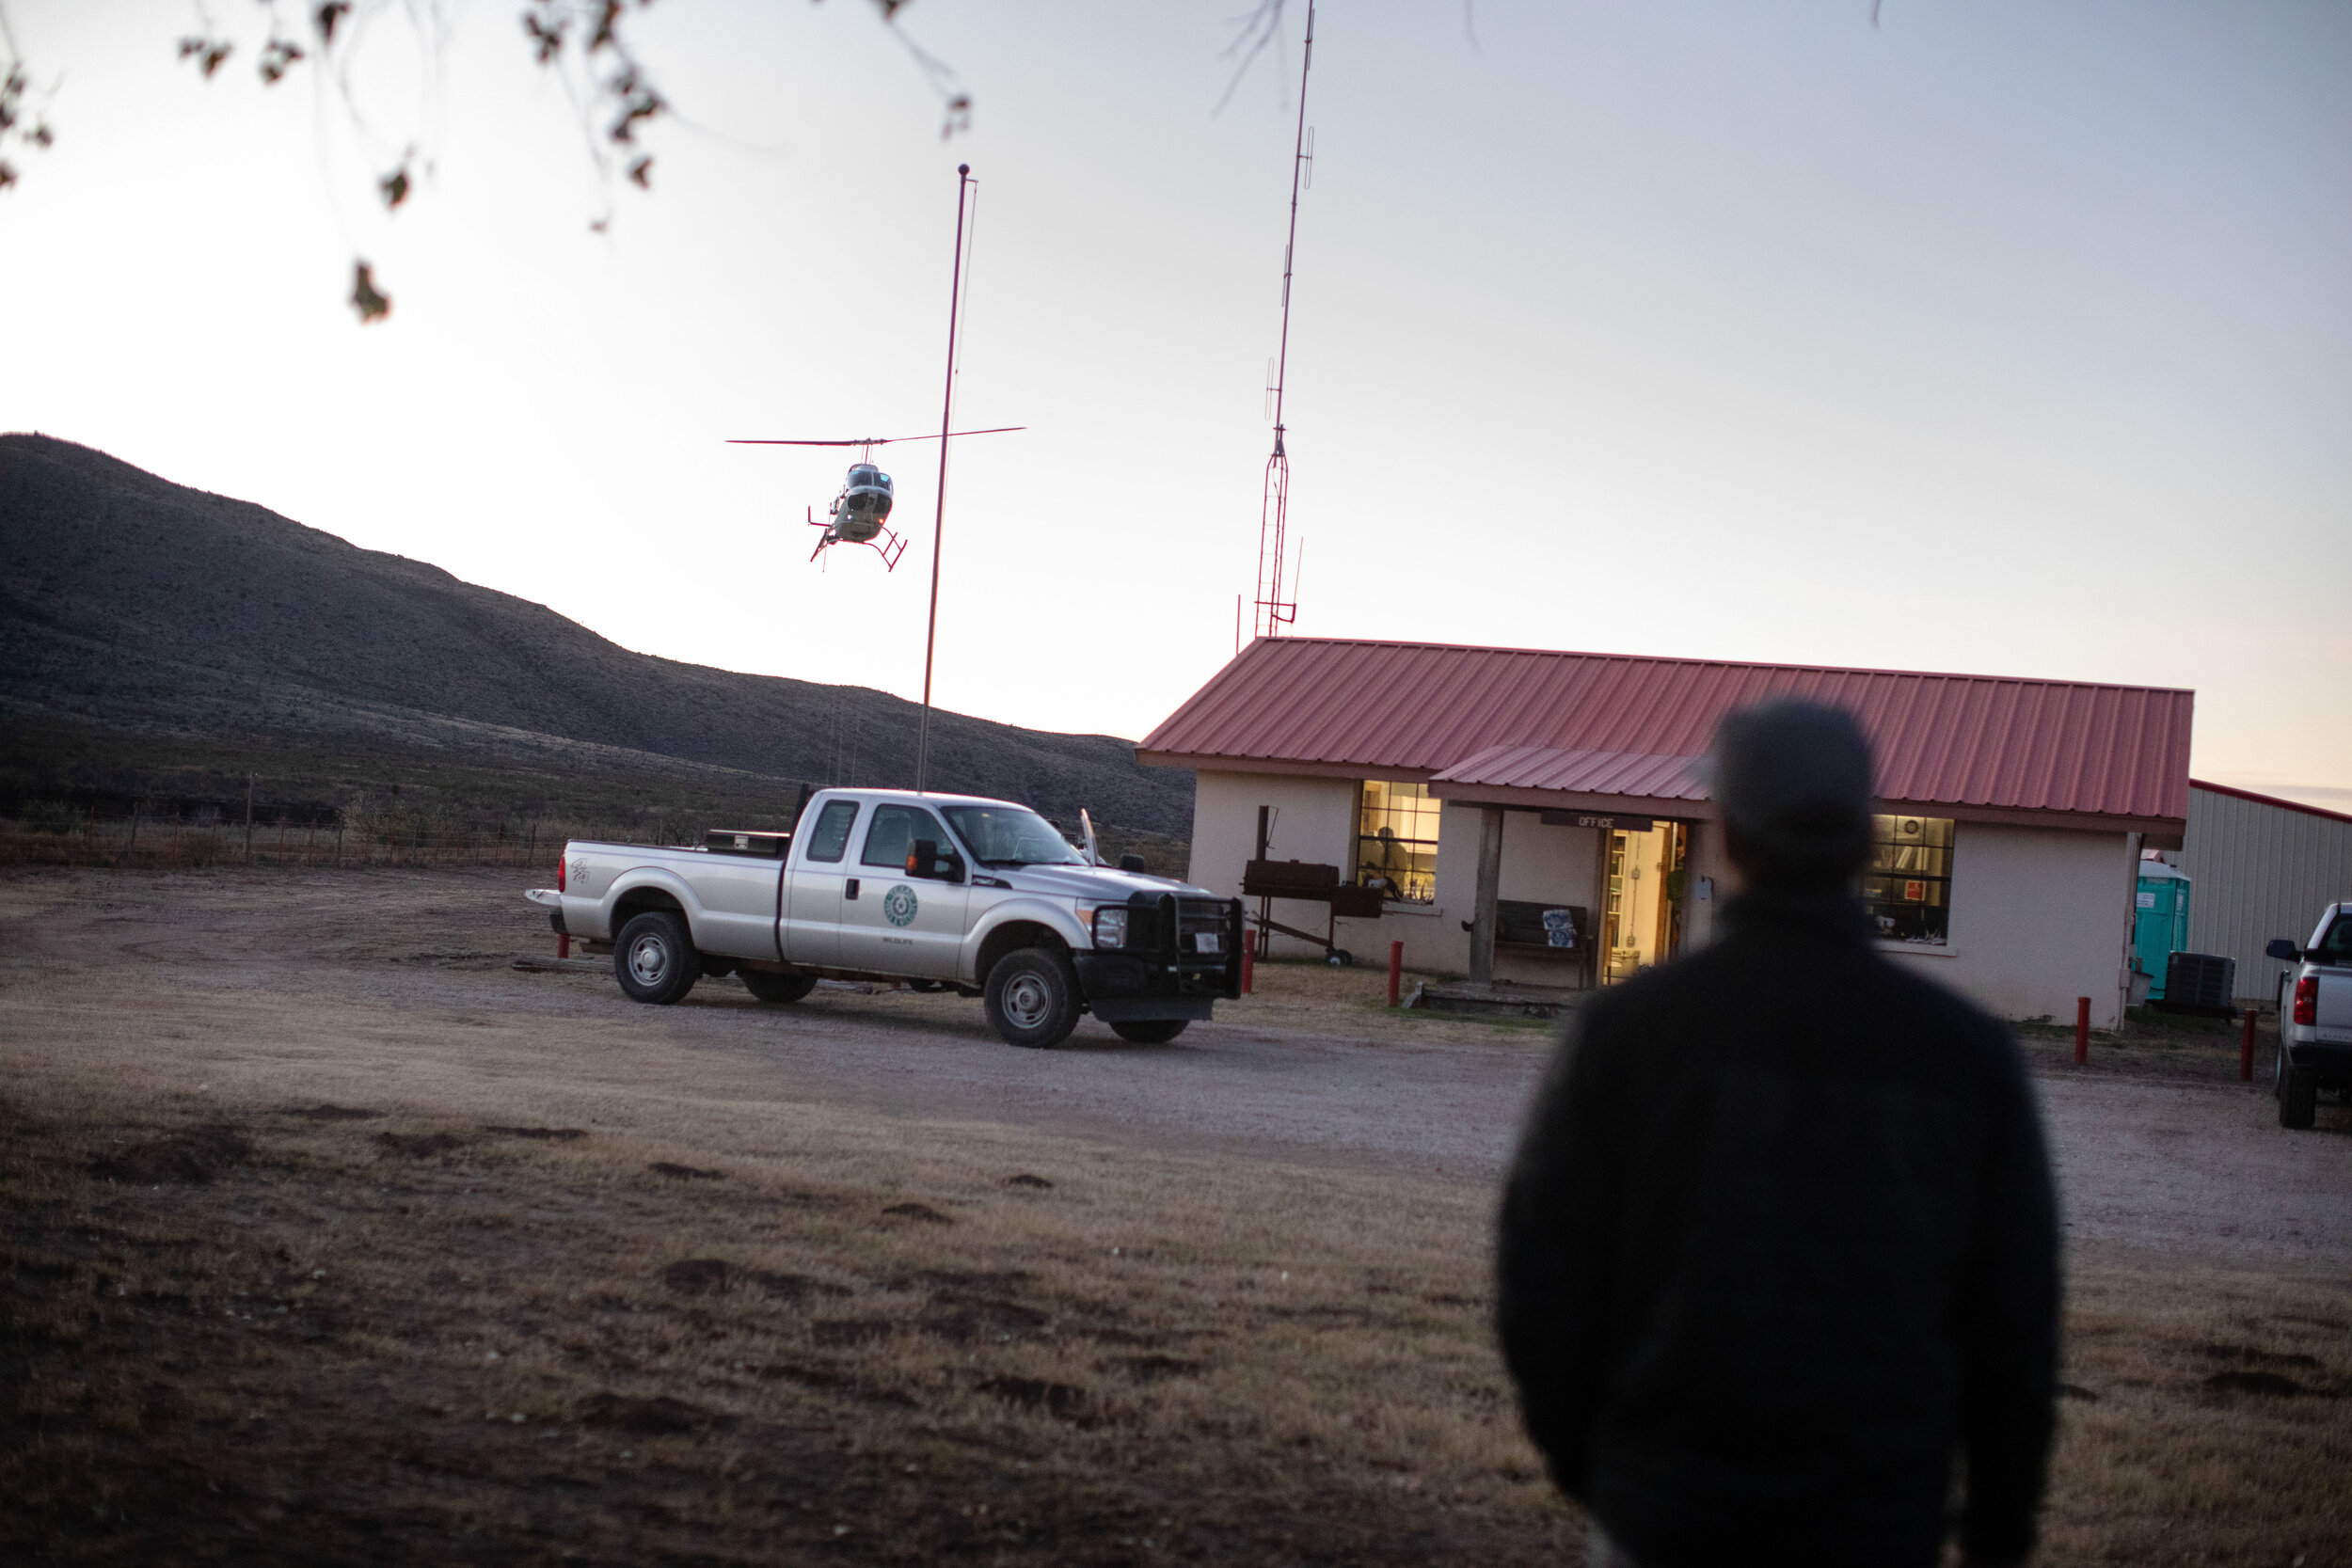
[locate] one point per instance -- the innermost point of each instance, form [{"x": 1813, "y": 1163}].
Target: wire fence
[{"x": 174, "y": 839}]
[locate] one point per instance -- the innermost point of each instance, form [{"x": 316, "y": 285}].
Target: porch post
[{"x": 1482, "y": 957}]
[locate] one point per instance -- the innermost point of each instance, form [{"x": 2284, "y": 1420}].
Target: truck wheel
[
  {"x": 1148, "y": 1031},
  {"x": 2299, "y": 1103},
  {"x": 771, "y": 987},
  {"x": 655, "y": 958},
  {"x": 1032, "y": 998}
]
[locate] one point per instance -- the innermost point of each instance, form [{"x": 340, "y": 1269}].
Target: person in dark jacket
[{"x": 1779, "y": 1242}]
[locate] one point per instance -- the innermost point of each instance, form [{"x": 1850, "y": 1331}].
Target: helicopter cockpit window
[{"x": 1008, "y": 835}]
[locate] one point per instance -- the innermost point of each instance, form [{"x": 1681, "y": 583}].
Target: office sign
[{"x": 1602, "y": 820}]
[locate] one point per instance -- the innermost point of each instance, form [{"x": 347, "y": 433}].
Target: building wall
[
  {"x": 2040, "y": 916},
  {"x": 1704, "y": 906},
  {"x": 2259, "y": 871},
  {"x": 1314, "y": 821},
  {"x": 1317, "y": 823}
]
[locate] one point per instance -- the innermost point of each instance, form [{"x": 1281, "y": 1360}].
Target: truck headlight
[{"x": 1110, "y": 927}]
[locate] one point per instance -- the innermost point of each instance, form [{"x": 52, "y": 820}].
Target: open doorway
[{"x": 1642, "y": 921}]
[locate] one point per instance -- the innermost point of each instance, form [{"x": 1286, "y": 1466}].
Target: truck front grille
[{"x": 1149, "y": 916}]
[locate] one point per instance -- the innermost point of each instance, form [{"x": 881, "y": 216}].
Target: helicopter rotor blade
[{"x": 872, "y": 440}]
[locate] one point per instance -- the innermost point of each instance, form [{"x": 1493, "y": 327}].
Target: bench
[{"x": 1520, "y": 928}]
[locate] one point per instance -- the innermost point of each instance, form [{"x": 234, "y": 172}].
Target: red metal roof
[
  {"x": 1614, "y": 725},
  {"x": 1668, "y": 778}
]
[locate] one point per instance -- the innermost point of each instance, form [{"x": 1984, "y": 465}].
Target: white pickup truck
[
  {"x": 2314, "y": 1016},
  {"x": 944, "y": 892}
]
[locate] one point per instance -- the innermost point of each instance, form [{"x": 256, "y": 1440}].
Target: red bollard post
[
  {"x": 563, "y": 944},
  {"x": 2081, "y": 1030},
  {"x": 1249, "y": 967},
  {"x": 1396, "y": 970},
  {"x": 2246, "y": 1051}
]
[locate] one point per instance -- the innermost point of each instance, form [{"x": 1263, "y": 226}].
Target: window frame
[
  {"x": 811, "y": 855},
  {"x": 1426, "y": 811},
  {"x": 865, "y": 846},
  {"x": 1899, "y": 864}
]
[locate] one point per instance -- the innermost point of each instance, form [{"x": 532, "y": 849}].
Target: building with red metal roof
[{"x": 1539, "y": 818}]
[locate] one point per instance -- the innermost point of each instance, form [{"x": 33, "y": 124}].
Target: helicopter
[{"x": 860, "y": 514}]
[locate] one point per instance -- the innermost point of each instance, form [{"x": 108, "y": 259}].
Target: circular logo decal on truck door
[{"x": 899, "y": 905}]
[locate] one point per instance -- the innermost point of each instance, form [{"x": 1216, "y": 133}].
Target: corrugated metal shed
[
  {"x": 2263, "y": 868},
  {"x": 1414, "y": 709}
]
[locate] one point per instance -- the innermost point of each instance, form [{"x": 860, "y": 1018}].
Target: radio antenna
[{"x": 1274, "y": 611}]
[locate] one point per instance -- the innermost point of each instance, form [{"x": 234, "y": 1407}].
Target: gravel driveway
[{"x": 397, "y": 988}]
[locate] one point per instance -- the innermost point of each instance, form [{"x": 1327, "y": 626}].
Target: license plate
[{"x": 1208, "y": 942}]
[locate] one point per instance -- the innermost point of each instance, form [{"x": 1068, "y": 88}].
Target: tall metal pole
[
  {"x": 1273, "y": 613},
  {"x": 939, "y": 508}
]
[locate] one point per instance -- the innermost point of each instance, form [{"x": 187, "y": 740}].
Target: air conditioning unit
[{"x": 2199, "y": 982}]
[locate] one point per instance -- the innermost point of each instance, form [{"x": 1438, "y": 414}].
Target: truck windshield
[{"x": 1012, "y": 835}]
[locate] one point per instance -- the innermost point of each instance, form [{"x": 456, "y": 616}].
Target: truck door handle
[{"x": 848, "y": 888}]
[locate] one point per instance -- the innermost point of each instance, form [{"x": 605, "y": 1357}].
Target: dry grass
[
  {"x": 1309, "y": 995},
  {"x": 296, "y": 1333},
  {"x": 231, "y": 1319},
  {"x": 2208, "y": 1420}
]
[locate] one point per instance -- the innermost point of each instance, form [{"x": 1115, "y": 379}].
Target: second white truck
[
  {"x": 943, "y": 892},
  {"x": 2314, "y": 1016}
]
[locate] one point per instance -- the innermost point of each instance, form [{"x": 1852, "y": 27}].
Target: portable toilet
[{"x": 2160, "y": 923}]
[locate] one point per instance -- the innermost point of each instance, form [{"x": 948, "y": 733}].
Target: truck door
[
  {"x": 814, "y": 886},
  {"x": 899, "y": 925},
  {"x": 2334, "y": 950}
]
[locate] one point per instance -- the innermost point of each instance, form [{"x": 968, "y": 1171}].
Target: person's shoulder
[
  {"x": 1932, "y": 1010},
  {"x": 1698, "y": 978}
]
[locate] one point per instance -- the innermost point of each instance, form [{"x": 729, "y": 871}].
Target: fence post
[
  {"x": 2245, "y": 1050},
  {"x": 1396, "y": 970},
  {"x": 2081, "y": 1030}
]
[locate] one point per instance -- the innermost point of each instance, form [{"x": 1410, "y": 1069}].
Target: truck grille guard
[{"x": 1164, "y": 929}]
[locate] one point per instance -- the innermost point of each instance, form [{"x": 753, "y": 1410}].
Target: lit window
[
  {"x": 1909, "y": 883},
  {"x": 1396, "y": 841}
]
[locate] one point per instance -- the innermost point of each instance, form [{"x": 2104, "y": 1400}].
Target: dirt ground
[{"x": 331, "y": 1235}]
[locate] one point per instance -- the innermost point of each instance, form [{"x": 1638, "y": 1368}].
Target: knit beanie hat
[{"x": 1793, "y": 780}]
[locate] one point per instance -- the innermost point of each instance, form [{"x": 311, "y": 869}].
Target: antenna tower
[{"x": 1274, "y": 611}]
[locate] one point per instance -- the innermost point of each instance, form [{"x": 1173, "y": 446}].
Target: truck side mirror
[
  {"x": 2282, "y": 950},
  {"x": 1131, "y": 862},
  {"x": 925, "y": 861}
]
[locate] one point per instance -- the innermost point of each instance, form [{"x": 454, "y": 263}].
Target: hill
[{"x": 145, "y": 627}]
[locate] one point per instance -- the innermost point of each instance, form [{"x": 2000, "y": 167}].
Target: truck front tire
[
  {"x": 771, "y": 987},
  {"x": 1032, "y": 998},
  {"x": 2299, "y": 1098},
  {"x": 655, "y": 958}
]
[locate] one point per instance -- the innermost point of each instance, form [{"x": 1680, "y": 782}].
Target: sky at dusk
[{"x": 2000, "y": 337}]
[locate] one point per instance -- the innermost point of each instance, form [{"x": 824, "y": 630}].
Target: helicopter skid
[{"x": 889, "y": 545}]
